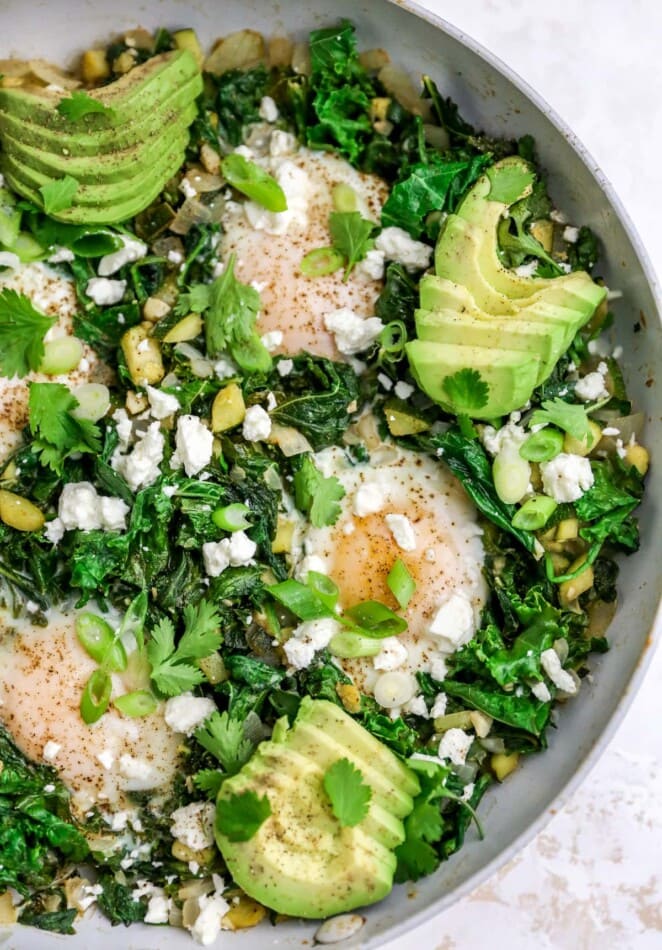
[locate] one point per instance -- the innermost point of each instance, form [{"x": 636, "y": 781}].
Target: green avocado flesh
[
  {"x": 121, "y": 159},
  {"x": 477, "y": 314},
  {"x": 302, "y": 861}
]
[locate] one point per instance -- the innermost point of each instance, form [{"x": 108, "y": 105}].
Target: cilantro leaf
[
  {"x": 349, "y": 796},
  {"x": 230, "y": 322},
  {"x": 80, "y": 104},
  {"x": 570, "y": 417},
  {"x": 424, "y": 826},
  {"x": 201, "y": 631},
  {"x": 351, "y": 235},
  {"x": 196, "y": 300},
  {"x": 466, "y": 390},
  {"x": 316, "y": 495},
  {"x": 22, "y": 331},
  {"x": 238, "y": 817},
  {"x": 225, "y": 739},
  {"x": 209, "y": 781},
  {"x": 172, "y": 670},
  {"x": 58, "y": 195},
  {"x": 57, "y": 432}
]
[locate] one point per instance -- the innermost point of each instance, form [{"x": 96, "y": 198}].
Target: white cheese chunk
[
  {"x": 397, "y": 245},
  {"x": 454, "y": 621},
  {"x": 132, "y": 251},
  {"x": 551, "y": 664},
  {"x": 257, "y": 424},
  {"x": 392, "y": 654},
  {"x": 193, "y": 825},
  {"x": 353, "y": 333},
  {"x": 105, "y": 292},
  {"x": 161, "y": 404},
  {"x": 193, "y": 445},
  {"x": 455, "y": 745},
  {"x": 185, "y": 713},
  {"x": 566, "y": 477},
  {"x": 402, "y": 530}
]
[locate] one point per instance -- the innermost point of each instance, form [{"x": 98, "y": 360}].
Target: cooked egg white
[
  {"x": 269, "y": 249},
  {"x": 43, "y": 671},
  {"x": 56, "y": 296},
  {"x": 408, "y": 506}
]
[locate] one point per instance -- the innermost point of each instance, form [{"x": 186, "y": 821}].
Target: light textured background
[{"x": 593, "y": 877}]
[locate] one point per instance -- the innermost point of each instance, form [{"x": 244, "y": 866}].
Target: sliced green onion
[
  {"x": 95, "y": 243},
  {"x": 401, "y": 584},
  {"x": 321, "y": 261},
  {"x": 96, "y": 696},
  {"x": 534, "y": 513},
  {"x": 562, "y": 578},
  {"x": 61, "y": 355},
  {"x": 393, "y": 337},
  {"x": 133, "y": 621},
  {"x": 300, "y": 600},
  {"x": 348, "y": 646},
  {"x": 324, "y": 588},
  {"x": 543, "y": 445},
  {"x": 254, "y": 182},
  {"x": 27, "y": 248},
  {"x": 511, "y": 475},
  {"x": 231, "y": 517},
  {"x": 139, "y": 703},
  {"x": 99, "y": 641},
  {"x": 375, "y": 620},
  {"x": 456, "y": 720},
  {"x": 344, "y": 197},
  {"x": 93, "y": 401}
]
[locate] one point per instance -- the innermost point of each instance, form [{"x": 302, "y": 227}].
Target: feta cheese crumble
[
  {"x": 551, "y": 664},
  {"x": 310, "y": 636},
  {"x": 161, "y": 404},
  {"x": 566, "y": 477},
  {"x": 193, "y": 445},
  {"x": 397, "y": 245},
  {"x": 141, "y": 466},
  {"x": 105, "y": 292},
  {"x": 236, "y": 551},
  {"x": 81, "y": 508},
  {"x": 352, "y": 333},
  {"x": 132, "y": 251},
  {"x": 402, "y": 530},
  {"x": 257, "y": 424},
  {"x": 455, "y": 745},
  {"x": 454, "y": 621},
  {"x": 193, "y": 825},
  {"x": 186, "y": 712},
  {"x": 592, "y": 387},
  {"x": 392, "y": 654},
  {"x": 268, "y": 109}
]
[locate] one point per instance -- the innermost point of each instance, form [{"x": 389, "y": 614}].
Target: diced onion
[{"x": 241, "y": 50}]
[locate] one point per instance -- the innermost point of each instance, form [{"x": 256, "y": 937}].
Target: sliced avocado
[
  {"x": 102, "y": 168},
  {"x": 510, "y": 375},
  {"x": 79, "y": 141},
  {"x": 540, "y": 337},
  {"x": 139, "y": 91},
  {"x": 104, "y": 204},
  {"x": 302, "y": 861}
]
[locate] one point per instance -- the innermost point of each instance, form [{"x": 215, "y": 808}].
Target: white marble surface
[{"x": 593, "y": 877}]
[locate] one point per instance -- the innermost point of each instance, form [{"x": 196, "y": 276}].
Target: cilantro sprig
[
  {"x": 174, "y": 670},
  {"x": 58, "y": 195},
  {"x": 22, "y": 331},
  {"x": 351, "y": 236},
  {"x": 468, "y": 392},
  {"x": 348, "y": 794},
  {"x": 239, "y": 817},
  {"x": 571, "y": 417},
  {"x": 80, "y": 104},
  {"x": 224, "y": 737},
  {"x": 317, "y": 495},
  {"x": 57, "y": 432}
]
